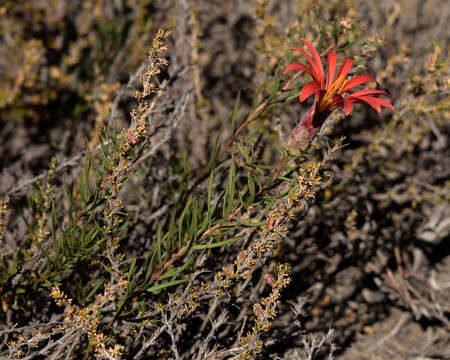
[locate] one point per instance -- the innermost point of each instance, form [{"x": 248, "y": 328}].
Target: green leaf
[
  {"x": 132, "y": 269},
  {"x": 235, "y": 111},
  {"x": 279, "y": 149},
  {"x": 244, "y": 151},
  {"x": 159, "y": 241},
  {"x": 216, "y": 244},
  {"x": 228, "y": 203},
  {"x": 180, "y": 222},
  {"x": 209, "y": 193},
  {"x": 251, "y": 188},
  {"x": 171, "y": 234},
  {"x": 213, "y": 209},
  {"x": 94, "y": 290},
  {"x": 69, "y": 193},
  {"x": 287, "y": 179},
  {"x": 252, "y": 223},
  {"x": 215, "y": 151},
  {"x": 84, "y": 182},
  {"x": 54, "y": 224},
  {"x": 276, "y": 82},
  {"x": 175, "y": 271},
  {"x": 150, "y": 267},
  {"x": 156, "y": 288},
  {"x": 193, "y": 230}
]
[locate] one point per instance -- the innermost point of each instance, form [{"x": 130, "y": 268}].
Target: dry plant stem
[
  {"x": 169, "y": 330},
  {"x": 279, "y": 167},
  {"x": 215, "y": 325},
  {"x": 150, "y": 342},
  {"x": 51, "y": 345}
]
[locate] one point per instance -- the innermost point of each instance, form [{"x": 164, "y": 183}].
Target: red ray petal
[
  {"x": 309, "y": 89},
  {"x": 317, "y": 60},
  {"x": 314, "y": 66},
  {"x": 343, "y": 71},
  {"x": 298, "y": 66},
  {"x": 332, "y": 61},
  {"x": 359, "y": 93},
  {"x": 357, "y": 80},
  {"x": 375, "y": 103},
  {"x": 348, "y": 106}
]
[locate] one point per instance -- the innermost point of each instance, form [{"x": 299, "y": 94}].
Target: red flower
[{"x": 329, "y": 94}]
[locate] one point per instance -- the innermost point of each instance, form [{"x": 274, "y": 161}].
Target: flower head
[{"x": 329, "y": 94}]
